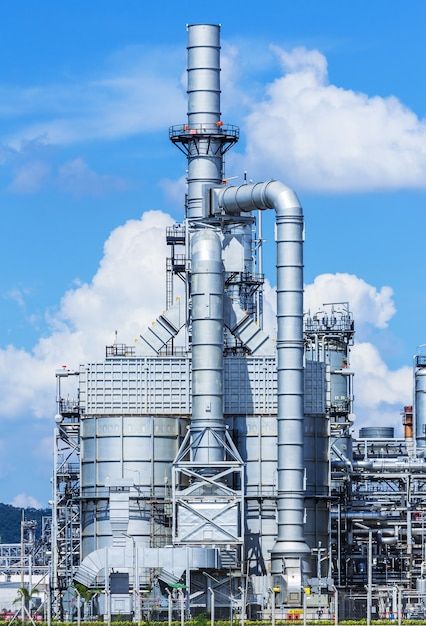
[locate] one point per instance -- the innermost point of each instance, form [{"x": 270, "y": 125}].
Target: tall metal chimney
[{"x": 204, "y": 139}]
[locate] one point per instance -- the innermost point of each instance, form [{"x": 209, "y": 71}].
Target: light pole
[
  {"x": 211, "y": 606},
  {"x": 182, "y": 607},
  {"x": 399, "y": 606},
  {"x": 273, "y": 591},
  {"x": 136, "y": 590},
  {"x": 336, "y": 606},
  {"x": 369, "y": 570},
  {"x": 243, "y": 605},
  {"x": 169, "y": 607}
]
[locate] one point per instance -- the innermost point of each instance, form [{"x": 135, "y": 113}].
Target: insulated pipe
[
  {"x": 205, "y": 161},
  {"x": 391, "y": 465},
  {"x": 290, "y": 542},
  {"x": 207, "y": 347}
]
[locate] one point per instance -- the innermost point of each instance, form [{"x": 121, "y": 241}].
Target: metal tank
[{"x": 133, "y": 453}]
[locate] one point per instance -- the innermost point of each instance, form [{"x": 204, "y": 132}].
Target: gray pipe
[
  {"x": 391, "y": 465},
  {"x": 207, "y": 347},
  {"x": 205, "y": 161},
  {"x": 290, "y": 543}
]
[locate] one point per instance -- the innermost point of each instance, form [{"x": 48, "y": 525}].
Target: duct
[
  {"x": 162, "y": 330},
  {"x": 205, "y": 154},
  {"x": 171, "y": 561},
  {"x": 243, "y": 327},
  {"x": 207, "y": 347},
  {"x": 290, "y": 553}
]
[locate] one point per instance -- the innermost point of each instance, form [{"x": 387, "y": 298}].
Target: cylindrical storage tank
[
  {"x": 317, "y": 480},
  {"x": 137, "y": 448},
  {"x": 377, "y": 432},
  {"x": 420, "y": 405}
]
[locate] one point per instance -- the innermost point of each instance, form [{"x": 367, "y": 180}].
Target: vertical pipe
[
  {"x": 290, "y": 549},
  {"x": 290, "y": 546},
  {"x": 370, "y": 576},
  {"x": 169, "y": 607},
  {"x": 205, "y": 162},
  {"x": 207, "y": 347}
]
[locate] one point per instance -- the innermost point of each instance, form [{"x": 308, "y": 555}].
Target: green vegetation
[{"x": 10, "y": 521}]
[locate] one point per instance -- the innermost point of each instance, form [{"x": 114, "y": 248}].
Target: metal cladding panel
[
  {"x": 125, "y": 446},
  {"x": 315, "y": 388},
  {"x": 162, "y": 386},
  {"x": 192, "y": 527}
]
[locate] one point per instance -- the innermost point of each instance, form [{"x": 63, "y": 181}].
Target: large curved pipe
[{"x": 290, "y": 542}]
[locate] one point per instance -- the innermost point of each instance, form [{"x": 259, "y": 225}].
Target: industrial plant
[{"x": 212, "y": 468}]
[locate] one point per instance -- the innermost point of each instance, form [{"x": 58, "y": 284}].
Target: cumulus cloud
[
  {"x": 126, "y": 293},
  {"x": 322, "y": 137},
  {"x": 369, "y": 304},
  {"x": 380, "y": 392},
  {"x": 24, "y": 501}
]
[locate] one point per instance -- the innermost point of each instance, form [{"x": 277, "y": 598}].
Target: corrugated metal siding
[{"x": 162, "y": 386}]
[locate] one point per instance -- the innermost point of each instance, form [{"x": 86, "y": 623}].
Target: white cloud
[
  {"x": 77, "y": 178},
  {"x": 24, "y": 501},
  {"x": 139, "y": 93},
  {"x": 380, "y": 393},
  {"x": 30, "y": 177},
  {"x": 322, "y": 137},
  {"x": 126, "y": 293},
  {"x": 368, "y": 304}
]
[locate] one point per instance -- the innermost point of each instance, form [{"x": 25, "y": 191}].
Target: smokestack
[
  {"x": 205, "y": 163},
  {"x": 204, "y": 139}
]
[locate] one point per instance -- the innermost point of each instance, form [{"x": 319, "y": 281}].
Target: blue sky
[{"x": 330, "y": 97}]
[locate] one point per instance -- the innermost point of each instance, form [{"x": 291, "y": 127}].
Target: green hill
[{"x": 10, "y": 521}]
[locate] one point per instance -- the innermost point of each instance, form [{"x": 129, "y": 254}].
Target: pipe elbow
[
  {"x": 271, "y": 194},
  {"x": 283, "y": 199}
]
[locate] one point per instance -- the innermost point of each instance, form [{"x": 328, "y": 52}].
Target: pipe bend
[{"x": 272, "y": 194}]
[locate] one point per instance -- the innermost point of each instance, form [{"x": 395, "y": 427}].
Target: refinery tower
[{"x": 195, "y": 473}]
